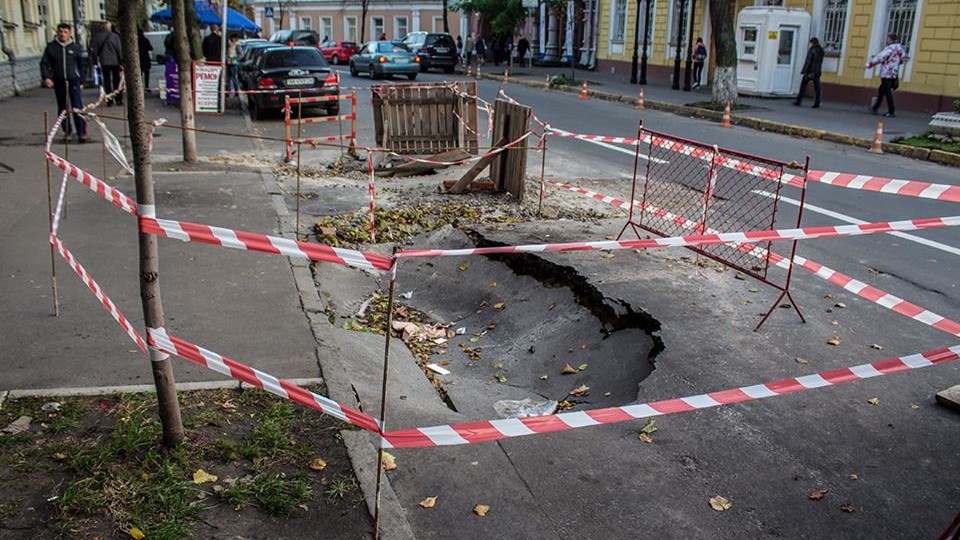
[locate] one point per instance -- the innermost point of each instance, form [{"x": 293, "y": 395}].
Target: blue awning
[{"x": 207, "y": 15}]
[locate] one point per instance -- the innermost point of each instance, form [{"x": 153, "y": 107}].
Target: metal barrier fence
[{"x": 299, "y": 120}]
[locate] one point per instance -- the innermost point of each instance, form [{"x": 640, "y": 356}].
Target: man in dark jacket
[
  {"x": 211, "y": 45},
  {"x": 811, "y": 72},
  {"x": 60, "y": 67},
  {"x": 106, "y": 47},
  {"x": 522, "y": 47},
  {"x": 144, "y": 47}
]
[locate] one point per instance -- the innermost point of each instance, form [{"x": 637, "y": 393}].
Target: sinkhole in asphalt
[{"x": 523, "y": 319}]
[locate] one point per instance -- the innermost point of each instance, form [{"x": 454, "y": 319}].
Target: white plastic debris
[
  {"x": 512, "y": 408},
  {"x": 51, "y": 407},
  {"x": 461, "y": 331},
  {"x": 17, "y": 426},
  {"x": 407, "y": 295},
  {"x": 437, "y": 369}
]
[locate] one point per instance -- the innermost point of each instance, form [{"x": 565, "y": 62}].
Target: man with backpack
[{"x": 106, "y": 47}]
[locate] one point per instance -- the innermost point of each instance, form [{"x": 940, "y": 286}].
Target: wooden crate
[{"x": 426, "y": 119}]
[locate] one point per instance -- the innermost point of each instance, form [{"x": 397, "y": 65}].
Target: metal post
[
  {"x": 383, "y": 396},
  {"x": 633, "y": 185},
  {"x": 636, "y": 46},
  {"x": 679, "y": 37},
  {"x": 299, "y": 147},
  {"x": 353, "y": 124},
  {"x": 53, "y": 256},
  {"x": 688, "y": 67},
  {"x": 223, "y": 56},
  {"x": 543, "y": 164},
  {"x": 646, "y": 34}
]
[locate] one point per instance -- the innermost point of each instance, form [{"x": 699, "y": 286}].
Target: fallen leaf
[
  {"x": 389, "y": 461},
  {"x": 582, "y": 367},
  {"x": 801, "y": 360},
  {"x": 914, "y": 406},
  {"x": 840, "y": 305},
  {"x": 429, "y": 502},
  {"x": 835, "y": 323},
  {"x": 645, "y": 438},
  {"x": 650, "y": 427},
  {"x": 481, "y": 510},
  {"x": 828, "y": 295},
  {"x": 818, "y": 494},
  {"x": 499, "y": 305},
  {"x": 753, "y": 290},
  {"x": 568, "y": 370},
  {"x": 607, "y": 255},
  {"x": 847, "y": 507},
  {"x": 493, "y": 283},
  {"x": 201, "y": 476},
  {"x": 581, "y": 390},
  {"x": 551, "y": 306},
  {"x": 877, "y": 347},
  {"x": 303, "y": 507},
  {"x": 136, "y": 534},
  {"x": 500, "y": 377},
  {"x": 786, "y": 305},
  {"x": 874, "y": 401},
  {"x": 835, "y": 340},
  {"x": 853, "y": 476},
  {"x": 59, "y": 457},
  {"x": 720, "y": 503},
  {"x": 318, "y": 464},
  {"x": 464, "y": 266},
  {"x": 739, "y": 276}
]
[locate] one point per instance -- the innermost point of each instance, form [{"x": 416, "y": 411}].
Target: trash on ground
[{"x": 512, "y": 408}]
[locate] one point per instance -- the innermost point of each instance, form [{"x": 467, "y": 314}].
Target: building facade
[
  {"x": 850, "y": 31},
  {"x": 26, "y": 26}
]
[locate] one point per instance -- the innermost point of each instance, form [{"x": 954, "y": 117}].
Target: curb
[{"x": 923, "y": 154}]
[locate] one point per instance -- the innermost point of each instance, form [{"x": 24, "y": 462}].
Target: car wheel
[
  {"x": 335, "y": 60},
  {"x": 353, "y": 70},
  {"x": 412, "y": 76},
  {"x": 373, "y": 73},
  {"x": 256, "y": 111}
]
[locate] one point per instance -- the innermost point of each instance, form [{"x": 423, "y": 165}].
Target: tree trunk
[
  {"x": 193, "y": 30},
  {"x": 446, "y": 27},
  {"x": 168, "y": 406},
  {"x": 364, "y": 5},
  {"x": 725, "y": 52},
  {"x": 185, "y": 70}
]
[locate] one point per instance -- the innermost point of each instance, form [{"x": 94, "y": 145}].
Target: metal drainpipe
[{"x": 12, "y": 56}]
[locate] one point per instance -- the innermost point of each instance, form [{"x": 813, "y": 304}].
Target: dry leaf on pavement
[
  {"x": 464, "y": 266},
  {"x": 801, "y": 360},
  {"x": 499, "y": 305},
  {"x": 877, "y": 347},
  {"x": 874, "y": 401},
  {"x": 201, "y": 476},
  {"x": 389, "y": 461},
  {"x": 645, "y": 438},
  {"x": 318, "y": 464},
  {"x": 481, "y": 510},
  {"x": 835, "y": 340},
  {"x": 136, "y": 534},
  {"x": 818, "y": 494},
  {"x": 840, "y": 305},
  {"x": 720, "y": 503},
  {"x": 581, "y": 390},
  {"x": 847, "y": 507},
  {"x": 568, "y": 370},
  {"x": 429, "y": 502}
]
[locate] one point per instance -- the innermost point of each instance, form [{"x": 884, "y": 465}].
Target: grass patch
[
  {"x": 272, "y": 493},
  {"x": 924, "y": 141},
  {"x": 719, "y": 107}
]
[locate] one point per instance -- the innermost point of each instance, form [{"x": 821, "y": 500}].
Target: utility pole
[
  {"x": 688, "y": 67},
  {"x": 636, "y": 46},
  {"x": 185, "y": 73},
  {"x": 646, "y": 35},
  {"x": 679, "y": 38},
  {"x": 168, "y": 406}
]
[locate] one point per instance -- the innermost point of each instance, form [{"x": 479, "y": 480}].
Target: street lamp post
[
  {"x": 688, "y": 68},
  {"x": 636, "y": 46},
  {"x": 646, "y": 34},
  {"x": 679, "y": 37}
]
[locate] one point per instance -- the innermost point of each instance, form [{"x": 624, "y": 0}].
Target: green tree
[{"x": 504, "y": 16}]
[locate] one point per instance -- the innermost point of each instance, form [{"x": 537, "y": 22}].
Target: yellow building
[
  {"x": 26, "y": 26},
  {"x": 850, "y": 31}
]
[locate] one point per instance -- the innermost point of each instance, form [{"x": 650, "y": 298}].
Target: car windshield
[
  {"x": 440, "y": 40},
  {"x": 386, "y": 47},
  {"x": 294, "y": 58}
]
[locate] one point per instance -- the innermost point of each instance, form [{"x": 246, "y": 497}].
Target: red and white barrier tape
[
  {"x": 98, "y": 186},
  {"x": 243, "y": 240},
  {"x": 515, "y": 102},
  {"x": 158, "y": 337},
  {"x": 98, "y": 292},
  {"x": 869, "y": 292},
  {"x": 330, "y": 138},
  {"x": 322, "y": 119},
  {"x": 772, "y": 235},
  {"x": 373, "y": 201},
  {"x": 490, "y": 430},
  {"x": 909, "y": 188}
]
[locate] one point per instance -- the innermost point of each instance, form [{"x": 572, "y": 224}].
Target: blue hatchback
[{"x": 384, "y": 58}]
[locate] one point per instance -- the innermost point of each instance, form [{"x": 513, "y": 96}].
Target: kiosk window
[{"x": 749, "y": 41}]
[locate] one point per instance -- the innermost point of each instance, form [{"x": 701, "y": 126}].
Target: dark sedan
[{"x": 293, "y": 71}]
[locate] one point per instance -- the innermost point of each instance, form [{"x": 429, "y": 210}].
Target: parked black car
[
  {"x": 434, "y": 50},
  {"x": 247, "y": 60},
  {"x": 296, "y": 37},
  {"x": 294, "y": 71}
]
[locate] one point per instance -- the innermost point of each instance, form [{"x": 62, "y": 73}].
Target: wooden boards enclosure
[{"x": 417, "y": 119}]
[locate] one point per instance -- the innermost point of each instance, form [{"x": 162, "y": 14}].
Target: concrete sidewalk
[{"x": 833, "y": 121}]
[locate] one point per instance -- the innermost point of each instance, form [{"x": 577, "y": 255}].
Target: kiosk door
[{"x": 786, "y": 67}]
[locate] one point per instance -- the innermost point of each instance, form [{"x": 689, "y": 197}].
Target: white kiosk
[{"x": 771, "y": 47}]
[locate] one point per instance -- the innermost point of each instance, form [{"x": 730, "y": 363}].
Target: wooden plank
[
  {"x": 476, "y": 185},
  {"x": 474, "y": 171},
  {"x": 412, "y": 168}
]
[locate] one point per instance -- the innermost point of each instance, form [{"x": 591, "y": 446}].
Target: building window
[
  {"x": 399, "y": 27},
  {"x": 618, "y": 21},
  {"x": 748, "y": 42},
  {"x": 376, "y": 27},
  {"x": 350, "y": 28},
  {"x": 437, "y": 24},
  {"x": 834, "y": 23},
  {"x": 43, "y": 13},
  {"x": 675, "y": 7},
  {"x": 900, "y": 17},
  {"x": 326, "y": 27},
  {"x": 306, "y": 23}
]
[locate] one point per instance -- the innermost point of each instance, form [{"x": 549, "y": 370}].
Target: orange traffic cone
[
  {"x": 546, "y": 83},
  {"x": 469, "y": 71},
  {"x": 725, "y": 121},
  {"x": 877, "y": 145},
  {"x": 583, "y": 90},
  {"x": 640, "y": 103},
  {"x": 506, "y": 75},
  {"x": 478, "y": 72}
]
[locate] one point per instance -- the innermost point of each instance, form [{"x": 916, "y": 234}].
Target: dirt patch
[{"x": 92, "y": 467}]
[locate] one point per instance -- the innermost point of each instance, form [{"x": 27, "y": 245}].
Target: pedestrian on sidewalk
[
  {"x": 699, "y": 57},
  {"x": 211, "y": 46},
  {"x": 889, "y": 60},
  {"x": 459, "y": 49},
  {"x": 106, "y": 47},
  {"x": 481, "y": 49},
  {"x": 468, "y": 48},
  {"x": 811, "y": 72},
  {"x": 60, "y": 67},
  {"x": 233, "y": 54},
  {"x": 144, "y": 47},
  {"x": 522, "y": 47}
]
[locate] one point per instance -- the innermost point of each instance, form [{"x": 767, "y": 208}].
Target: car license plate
[
  {"x": 300, "y": 82},
  {"x": 442, "y": 49},
  {"x": 402, "y": 60}
]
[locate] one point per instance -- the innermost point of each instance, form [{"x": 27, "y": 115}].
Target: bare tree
[
  {"x": 364, "y": 6},
  {"x": 725, "y": 51},
  {"x": 446, "y": 10},
  {"x": 168, "y": 406},
  {"x": 185, "y": 72}
]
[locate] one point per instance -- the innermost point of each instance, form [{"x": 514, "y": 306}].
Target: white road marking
[{"x": 854, "y": 221}]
